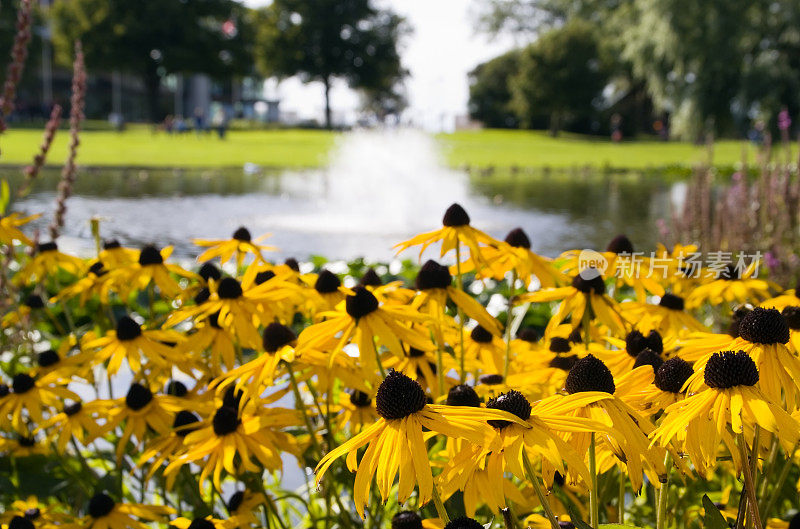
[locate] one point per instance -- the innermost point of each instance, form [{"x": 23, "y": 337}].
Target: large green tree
[
  {"x": 490, "y": 93},
  {"x": 561, "y": 76},
  {"x": 152, "y": 38},
  {"x": 321, "y": 40}
]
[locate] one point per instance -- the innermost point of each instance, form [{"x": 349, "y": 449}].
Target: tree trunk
[
  {"x": 555, "y": 124},
  {"x": 327, "y": 82},
  {"x": 152, "y": 82}
]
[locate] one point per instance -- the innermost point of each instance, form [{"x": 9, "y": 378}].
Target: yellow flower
[
  {"x": 239, "y": 245},
  {"x": 132, "y": 343},
  {"x": 149, "y": 268},
  {"x": 9, "y": 228},
  {"x": 31, "y": 395},
  {"x": 105, "y": 513},
  {"x": 77, "y": 420},
  {"x": 232, "y": 437},
  {"x": 456, "y": 234},
  {"x": 396, "y": 442},
  {"x": 731, "y": 400},
  {"x": 731, "y": 284},
  {"x": 46, "y": 262},
  {"x": 362, "y": 319},
  {"x": 139, "y": 410}
]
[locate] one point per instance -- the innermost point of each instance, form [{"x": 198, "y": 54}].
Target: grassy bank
[
  {"x": 138, "y": 146},
  {"x": 536, "y": 149}
]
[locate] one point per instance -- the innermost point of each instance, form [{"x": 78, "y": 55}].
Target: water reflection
[{"x": 380, "y": 189}]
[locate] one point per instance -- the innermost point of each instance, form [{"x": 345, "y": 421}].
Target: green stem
[
  {"x": 621, "y": 498},
  {"x": 301, "y": 406},
  {"x": 459, "y": 312},
  {"x": 776, "y": 491},
  {"x": 749, "y": 484},
  {"x": 511, "y": 289},
  {"x": 663, "y": 495},
  {"x": 378, "y": 358},
  {"x": 439, "y": 504},
  {"x": 594, "y": 507},
  {"x": 538, "y": 489}
]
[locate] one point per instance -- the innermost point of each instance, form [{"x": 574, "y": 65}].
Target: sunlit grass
[
  {"x": 141, "y": 147},
  {"x": 506, "y": 148}
]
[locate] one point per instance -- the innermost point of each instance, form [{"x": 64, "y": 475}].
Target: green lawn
[
  {"x": 140, "y": 147},
  {"x": 506, "y": 148}
]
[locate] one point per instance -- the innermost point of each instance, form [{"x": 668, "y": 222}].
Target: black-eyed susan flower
[
  {"x": 239, "y": 245},
  {"x": 514, "y": 254},
  {"x": 356, "y": 410},
  {"x": 47, "y": 261},
  {"x": 731, "y": 284},
  {"x": 763, "y": 334},
  {"x": 104, "y": 513},
  {"x": 114, "y": 255},
  {"x": 420, "y": 365},
  {"x": 138, "y": 412},
  {"x": 624, "y": 359},
  {"x": 167, "y": 447},
  {"x": 396, "y": 444},
  {"x": 625, "y": 438},
  {"x": 150, "y": 268},
  {"x": 326, "y": 294},
  {"x": 94, "y": 283},
  {"x": 668, "y": 317},
  {"x": 456, "y": 234},
  {"x": 9, "y": 228},
  {"x": 668, "y": 385},
  {"x": 29, "y": 397},
  {"x": 588, "y": 291},
  {"x": 18, "y": 445},
  {"x": 235, "y": 435},
  {"x": 132, "y": 343},
  {"x": 242, "y": 506},
  {"x": 78, "y": 420},
  {"x": 434, "y": 284},
  {"x": 733, "y": 401},
  {"x": 37, "y": 514},
  {"x": 254, "y": 376},
  {"x": 412, "y": 520},
  {"x": 361, "y": 319}
]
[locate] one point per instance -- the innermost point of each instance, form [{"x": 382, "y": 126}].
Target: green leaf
[
  {"x": 713, "y": 519},
  {"x": 5, "y": 196},
  {"x": 618, "y": 526}
]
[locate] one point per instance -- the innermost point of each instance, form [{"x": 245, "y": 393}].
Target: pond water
[{"x": 379, "y": 189}]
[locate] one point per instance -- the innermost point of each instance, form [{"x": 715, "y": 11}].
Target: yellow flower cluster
[{"x": 160, "y": 389}]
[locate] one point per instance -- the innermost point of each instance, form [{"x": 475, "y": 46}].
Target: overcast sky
[{"x": 439, "y": 53}]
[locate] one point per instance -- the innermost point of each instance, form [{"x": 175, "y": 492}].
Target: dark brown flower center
[
  {"x": 361, "y": 303},
  {"x": 792, "y": 317},
  {"x": 589, "y": 374},
  {"x": 226, "y": 421},
  {"x": 138, "y": 397},
  {"x": 128, "y": 329},
  {"x": 235, "y": 501},
  {"x": 406, "y": 520},
  {"x": 209, "y": 271},
  {"x": 518, "y": 239},
  {"x": 463, "y": 395},
  {"x": 564, "y": 363},
  {"x": 636, "y": 342},
  {"x": 620, "y": 244},
  {"x": 229, "y": 288},
  {"x": 764, "y": 326},
  {"x": 201, "y": 523},
  {"x": 327, "y": 282},
  {"x": 370, "y": 279},
  {"x": 729, "y": 369},
  {"x": 480, "y": 335},
  {"x": 455, "y": 216},
  {"x": 150, "y": 256},
  {"x": 671, "y": 301},
  {"x": 528, "y": 334},
  {"x": 100, "y": 505},
  {"x": 182, "y": 420},
  {"x": 34, "y": 301},
  {"x": 433, "y": 275},
  {"x": 73, "y": 409},
  {"x": 673, "y": 374},
  {"x": 560, "y": 345},
  {"x": 19, "y": 522},
  {"x": 242, "y": 234},
  {"x": 43, "y": 247},
  {"x": 22, "y": 383},
  {"x": 277, "y": 336},
  {"x": 177, "y": 388},
  {"x": 589, "y": 281},
  {"x": 263, "y": 277},
  {"x": 292, "y": 263},
  {"x": 359, "y": 399},
  {"x": 398, "y": 396},
  {"x": 490, "y": 379},
  {"x": 648, "y": 357},
  {"x": 47, "y": 358},
  {"x": 513, "y": 402}
]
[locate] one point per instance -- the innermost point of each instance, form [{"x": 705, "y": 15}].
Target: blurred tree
[
  {"x": 321, "y": 40},
  {"x": 152, "y": 38},
  {"x": 560, "y": 76},
  {"x": 490, "y": 93}
]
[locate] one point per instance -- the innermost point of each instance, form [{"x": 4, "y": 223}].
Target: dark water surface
[{"x": 380, "y": 188}]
